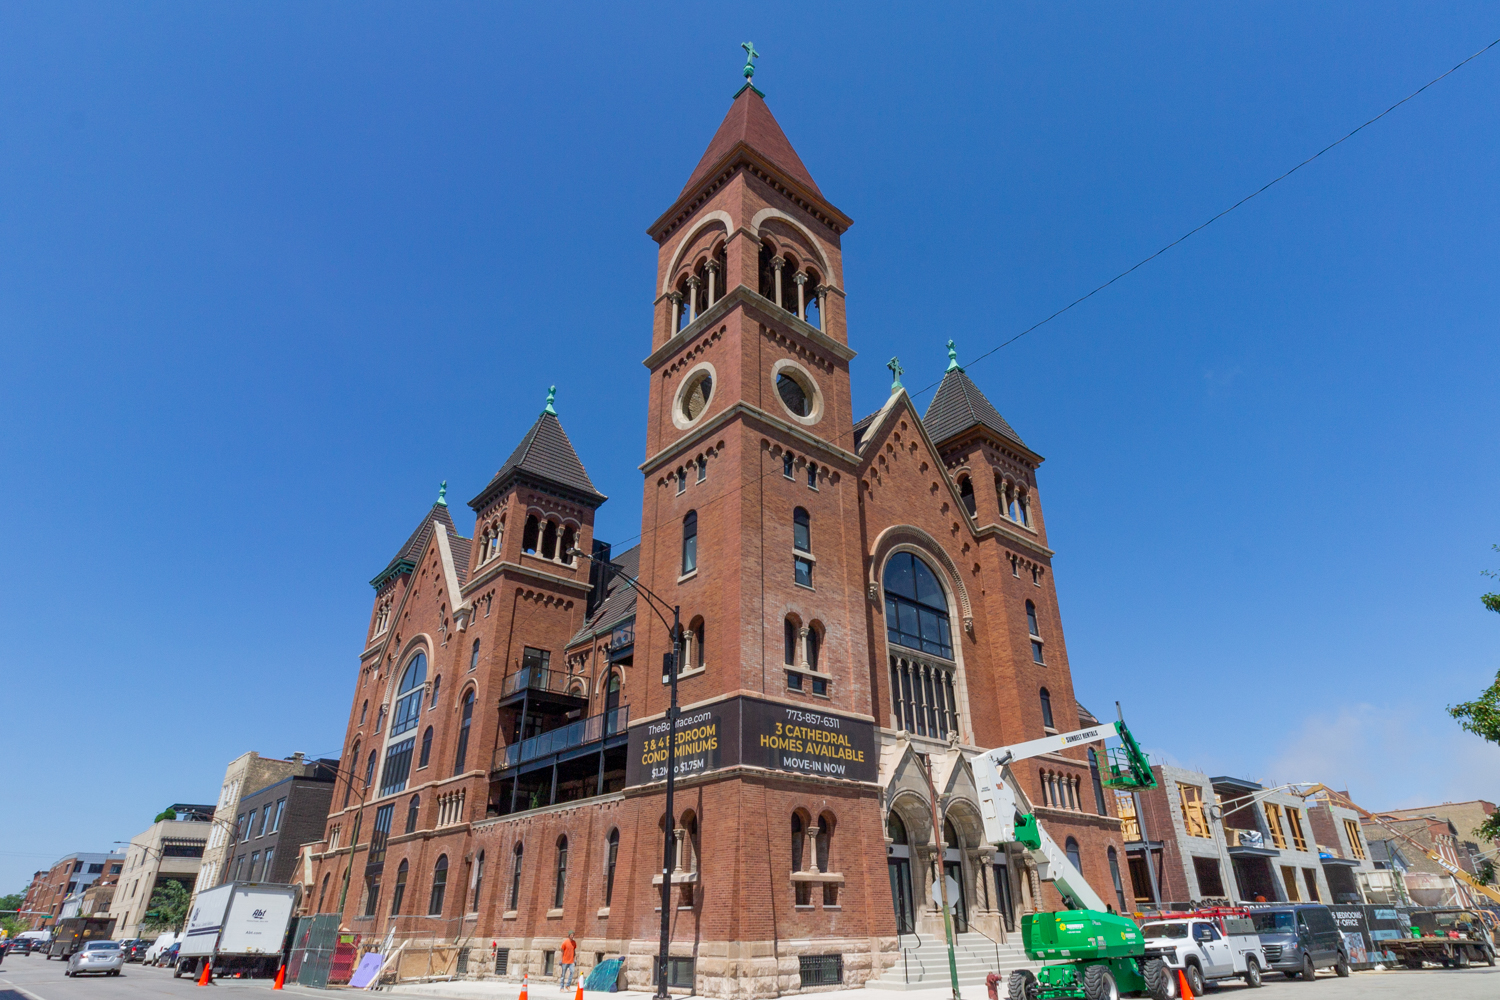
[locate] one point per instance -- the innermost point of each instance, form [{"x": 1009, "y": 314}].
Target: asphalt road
[{"x": 34, "y": 978}]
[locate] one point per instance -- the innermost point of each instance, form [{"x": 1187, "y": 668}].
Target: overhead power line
[{"x": 1197, "y": 229}]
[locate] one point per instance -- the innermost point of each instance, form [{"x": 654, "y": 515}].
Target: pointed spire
[
  {"x": 953, "y": 365},
  {"x": 959, "y": 405},
  {"x": 895, "y": 366},
  {"x": 750, "y": 122},
  {"x": 551, "y": 397},
  {"x": 546, "y": 456},
  {"x": 406, "y": 557},
  {"x": 443, "y": 494}
]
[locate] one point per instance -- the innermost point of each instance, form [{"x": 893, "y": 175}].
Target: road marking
[{"x": 22, "y": 991}]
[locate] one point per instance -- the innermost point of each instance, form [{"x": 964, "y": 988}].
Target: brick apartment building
[
  {"x": 859, "y": 597},
  {"x": 274, "y": 821},
  {"x": 53, "y": 890}
]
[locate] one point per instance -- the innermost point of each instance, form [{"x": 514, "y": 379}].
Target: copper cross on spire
[
  {"x": 750, "y": 56},
  {"x": 895, "y": 366}
]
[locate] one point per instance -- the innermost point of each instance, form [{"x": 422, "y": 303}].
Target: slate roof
[
  {"x": 860, "y": 426},
  {"x": 545, "y": 454},
  {"x": 463, "y": 549},
  {"x": 959, "y": 405},
  {"x": 751, "y": 122},
  {"x": 619, "y": 605},
  {"x": 407, "y": 556}
]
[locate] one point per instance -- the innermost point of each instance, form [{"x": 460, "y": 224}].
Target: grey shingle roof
[
  {"x": 959, "y": 405},
  {"x": 407, "y": 556},
  {"x": 619, "y": 605},
  {"x": 860, "y": 426},
  {"x": 545, "y": 454}
]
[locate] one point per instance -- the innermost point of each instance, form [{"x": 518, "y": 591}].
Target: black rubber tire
[
  {"x": 1252, "y": 973},
  {"x": 1194, "y": 978},
  {"x": 1022, "y": 985},
  {"x": 1309, "y": 971},
  {"x": 1099, "y": 984},
  {"x": 1161, "y": 982},
  {"x": 1341, "y": 967}
]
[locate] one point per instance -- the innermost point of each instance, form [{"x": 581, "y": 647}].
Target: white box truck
[{"x": 240, "y": 927}]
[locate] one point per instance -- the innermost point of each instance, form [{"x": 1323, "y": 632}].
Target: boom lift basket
[{"x": 1129, "y": 767}]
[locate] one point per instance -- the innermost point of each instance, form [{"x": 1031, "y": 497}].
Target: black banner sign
[{"x": 758, "y": 733}]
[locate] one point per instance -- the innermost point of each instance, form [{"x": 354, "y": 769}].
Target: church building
[{"x": 866, "y": 603}]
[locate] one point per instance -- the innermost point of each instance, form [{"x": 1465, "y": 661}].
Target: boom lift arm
[
  {"x": 1004, "y": 823},
  {"x": 1386, "y": 821}
]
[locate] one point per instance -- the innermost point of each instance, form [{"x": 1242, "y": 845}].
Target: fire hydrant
[{"x": 992, "y": 983}]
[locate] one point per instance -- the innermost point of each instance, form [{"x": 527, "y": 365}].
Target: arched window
[
  {"x": 409, "y": 695},
  {"x": 1071, "y": 849},
  {"x": 562, "y": 873},
  {"x": 515, "y": 876},
  {"x": 399, "y": 893},
  {"x": 349, "y": 783},
  {"x": 530, "y": 535},
  {"x": 437, "y": 686},
  {"x": 697, "y": 632},
  {"x": 370, "y": 770},
  {"x": 814, "y": 642},
  {"x": 812, "y": 472},
  {"x": 478, "y": 882},
  {"x": 322, "y": 894},
  {"x": 462, "y": 756},
  {"x": 1023, "y": 509},
  {"x": 789, "y": 642},
  {"x": 1098, "y": 783},
  {"x": 439, "y": 886},
  {"x": 612, "y": 844},
  {"x": 473, "y": 657},
  {"x": 1114, "y": 874},
  {"x": 966, "y": 493},
  {"x": 1035, "y": 632},
  {"x": 1047, "y": 710},
  {"x": 569, "y": 539},
  {"x": 690, "y": 542},
  {"x": 364, "y": 710},
  {"x": 786, "y": 464},
  {"x": 813, "y": 312},
  {"x": 549, "y": 540},
  {"x": 426, "y": 747},
  {"x": 612, "y": 703},
  {"x": 412, "y": 809},
  {"x": 916, "y": 611},
  {"x": 895, "y": 829}
]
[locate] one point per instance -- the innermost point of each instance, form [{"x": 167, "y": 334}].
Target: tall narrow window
[
  {"x": 461, "y": 758},
  {"x": 801, "y": 530},
  {"x": 702, "y": 468},
  {"x": 1114, "y": 874},
  {"x": 439, "y": 886},
  {"x": 369, "y": 771},
  {"x": 916, "y": 609},
  {"x": 348, "y": 784},
  {"x": 1098, "y": 784},
  {"x": 1047, "y": 710},
  {"x": 399, "y": 893},
  {"x": 364, "y": 710},
  {"x": 530, "y": 535},
  {"x": 409, "y": 695},
  {"x": 812, "y": 476},
  {"x": 569, "y": 539},
  {"x": 562, "y": 873},
  {"x": 690, "y": 542},
  {"x": 426, "y": 747},
  {"x": 609, "y": 865},
  {"x": 966, "y": 493},
  {"x": 515, "y": 876},
  {"x": 437, "y": 686},
  {"x": 412, "y": 809},
  {"x": 1071, "y": 849},
  {"x": 473, "y": 658},
  {"x": 789, "y": 633},
  {"x": 697, "y": 634},
  {"x": 786, "y": 464},
  {"x": 1036, "y": 634},
  {"x": 478, "y": 882},
  {"x": 549, "y": 540}
]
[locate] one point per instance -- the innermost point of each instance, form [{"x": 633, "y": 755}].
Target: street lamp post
[{"x": 673, "y": 664}]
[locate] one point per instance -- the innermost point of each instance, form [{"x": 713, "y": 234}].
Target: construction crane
[
  {"x": 1386, "y": 820},
  {"x": 1098, "y": 953}
]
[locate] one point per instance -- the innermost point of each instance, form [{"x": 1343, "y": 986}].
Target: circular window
[
  {"x": 798, "y": 392},
  {"x": 693, "y": 395}
]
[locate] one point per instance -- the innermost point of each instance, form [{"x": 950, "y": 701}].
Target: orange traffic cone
[
  {"x": 208, "y": 972},
  {"x": 578, "y": 995},
  {"x": 280, "y": 977},
  {"x": 1187, "y": 991},
  {"x": 525, "y": 978}
]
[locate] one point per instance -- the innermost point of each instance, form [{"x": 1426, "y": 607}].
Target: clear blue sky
[{"x": 270, "y": 272}]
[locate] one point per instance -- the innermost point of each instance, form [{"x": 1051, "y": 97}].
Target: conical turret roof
[
  {"x": 959, "y": 405},
  {"x": 406, "y": 557},
  {"x": 546, "y": 456}
]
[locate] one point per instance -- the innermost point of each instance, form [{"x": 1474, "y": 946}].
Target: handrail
[
  {"x": 975, "y": 930},
  {"x": 905, "y": 968},
  {"x": 590, "y": 730},
  {"x": 536, "y": 679}
]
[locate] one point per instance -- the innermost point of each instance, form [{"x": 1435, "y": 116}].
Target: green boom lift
[{"x": 1091, "y": 951}]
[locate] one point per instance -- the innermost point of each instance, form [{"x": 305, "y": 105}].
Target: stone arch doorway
[
  {"x": 953, "y": 866},
  {"x": 898, "y": 865}
]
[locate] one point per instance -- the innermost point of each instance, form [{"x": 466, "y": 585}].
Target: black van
[{"x": 1300, "y": 938}]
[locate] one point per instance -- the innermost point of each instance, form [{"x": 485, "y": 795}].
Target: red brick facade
[{"x": 751, "y": 462}]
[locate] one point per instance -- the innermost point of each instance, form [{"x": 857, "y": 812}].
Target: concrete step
[{"x": 925, "y": 965}]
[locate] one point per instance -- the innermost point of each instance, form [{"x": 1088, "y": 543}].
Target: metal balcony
[
  {"x": 551, "y": 685},
  {"x": 577, "y": 734}
]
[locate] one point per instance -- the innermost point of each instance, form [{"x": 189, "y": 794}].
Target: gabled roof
[
  {"x": 620, "y": 604},
  {"x": 407, "y": 556},
  {"x": 546, "y": 456},
  {"x": 749, "y": 121},
  {"x": 958, "y": 406}
]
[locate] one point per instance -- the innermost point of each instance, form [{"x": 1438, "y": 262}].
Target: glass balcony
[
  {"x": 538, "y": 680},
  {"x": 576, "y": 734}
]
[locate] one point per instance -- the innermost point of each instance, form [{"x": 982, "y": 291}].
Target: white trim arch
[
  {"x": 776, "y": 213},
  {"x": 718, "y": 215}
]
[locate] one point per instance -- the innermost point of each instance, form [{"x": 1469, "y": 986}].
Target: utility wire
[{"x": 1261, "y": 190}]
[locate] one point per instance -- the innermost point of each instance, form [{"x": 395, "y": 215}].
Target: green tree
[
  {"x": 168, "y": 813},
  {"x": 12, "y": 923},
  {"x": 1482, "y": 715},
  {"x": 168, "y": 909}
]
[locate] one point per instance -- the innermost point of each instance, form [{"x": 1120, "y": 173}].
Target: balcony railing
[
  {"x": 590, "y": 730},
  {"x": 536, "y": 679}
]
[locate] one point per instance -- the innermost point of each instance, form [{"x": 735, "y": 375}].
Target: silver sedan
[{"x": 96, "y": 956}]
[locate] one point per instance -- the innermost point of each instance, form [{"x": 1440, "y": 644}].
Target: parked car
[
  {"x": 96, "y": 956},
  {"x": 1206, "y": 947},
  {"x": 168, "y": 956},
  {"x": 1300, "y": 938},
  {"x": 134, "y": 949},
  {"x": 161, "y": 944}
]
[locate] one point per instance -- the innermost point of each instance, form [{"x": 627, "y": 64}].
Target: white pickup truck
[{"x": 1206, "y": 947}]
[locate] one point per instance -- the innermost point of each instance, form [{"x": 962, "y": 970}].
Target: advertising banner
[
  {"x": 1352, "y": 924},
  {"x": 758, "y": 733}
]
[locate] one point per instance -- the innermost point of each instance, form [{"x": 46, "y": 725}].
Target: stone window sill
[
  {"x": 688, "y": 575},
  {"x": 817, "y": 877},
  {"x": 603, "y": 912},
  {"x": 690, "y": 672},
  {"x": 678, "y": 878},
  {"x": 554, "y": 914},
  {"x": 509, "y": 915}
]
